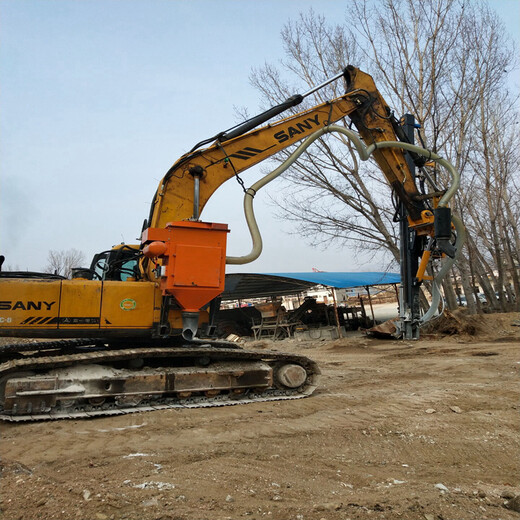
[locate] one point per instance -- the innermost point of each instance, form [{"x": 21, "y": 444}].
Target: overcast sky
[{"x": 99, "y": 98}]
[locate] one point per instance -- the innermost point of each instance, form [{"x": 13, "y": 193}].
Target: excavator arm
[
  {"x": 232, "y": 153},
  {"x": 175, "y": 240}
]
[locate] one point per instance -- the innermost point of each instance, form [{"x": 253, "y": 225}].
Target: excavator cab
[{"x": 121, "y": 264}]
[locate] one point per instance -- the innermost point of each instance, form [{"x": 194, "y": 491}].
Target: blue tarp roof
[
  {"x": 255, "y": 285},
  {"x": 343, "y": 280}
]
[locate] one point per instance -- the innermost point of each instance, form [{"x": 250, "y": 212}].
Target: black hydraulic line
[{"x": 261, "y": 118}]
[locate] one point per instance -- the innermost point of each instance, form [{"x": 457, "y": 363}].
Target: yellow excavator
[{"x": 133, "y": 331}]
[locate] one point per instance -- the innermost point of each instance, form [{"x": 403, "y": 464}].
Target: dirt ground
[{"x": 425, "y": 430}]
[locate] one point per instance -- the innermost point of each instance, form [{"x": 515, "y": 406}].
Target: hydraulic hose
[
  {"x": 443, "y": 271},
  {"x": 363, "y": 152},
  {"x": 443, "y": 202},
  {"x": 252, "y": 191}
]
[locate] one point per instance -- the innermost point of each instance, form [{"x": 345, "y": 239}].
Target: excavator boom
[{"x": 227, "y": 157}]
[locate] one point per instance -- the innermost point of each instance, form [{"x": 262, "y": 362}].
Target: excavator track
[{"x": 83, "y": 384}]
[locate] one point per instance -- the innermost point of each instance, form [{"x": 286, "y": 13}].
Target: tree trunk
[
  {"x": 469, "y": 291},
  {"x": 514, "y": 294},
  {"x": 449, "y": 294}
]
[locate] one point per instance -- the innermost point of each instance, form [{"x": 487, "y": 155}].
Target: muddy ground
[{"x": 425, "y": 430}]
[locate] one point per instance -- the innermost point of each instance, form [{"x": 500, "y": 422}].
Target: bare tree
[
  {"x": 328, "y": 197},
  {"x": 446, "y": 62},
  {"x": 494, "y": 211},
  {"x": 62, "y": 262}
]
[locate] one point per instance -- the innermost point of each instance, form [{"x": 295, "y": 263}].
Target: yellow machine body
[
  {"x": 84, "y": 308},
  {"x": 88, "y": 307}
]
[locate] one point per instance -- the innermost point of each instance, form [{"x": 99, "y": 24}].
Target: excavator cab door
[{"x": 118, "y": 264}]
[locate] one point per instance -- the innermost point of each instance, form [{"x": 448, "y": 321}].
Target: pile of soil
[{"x": 456, "y": 322}]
